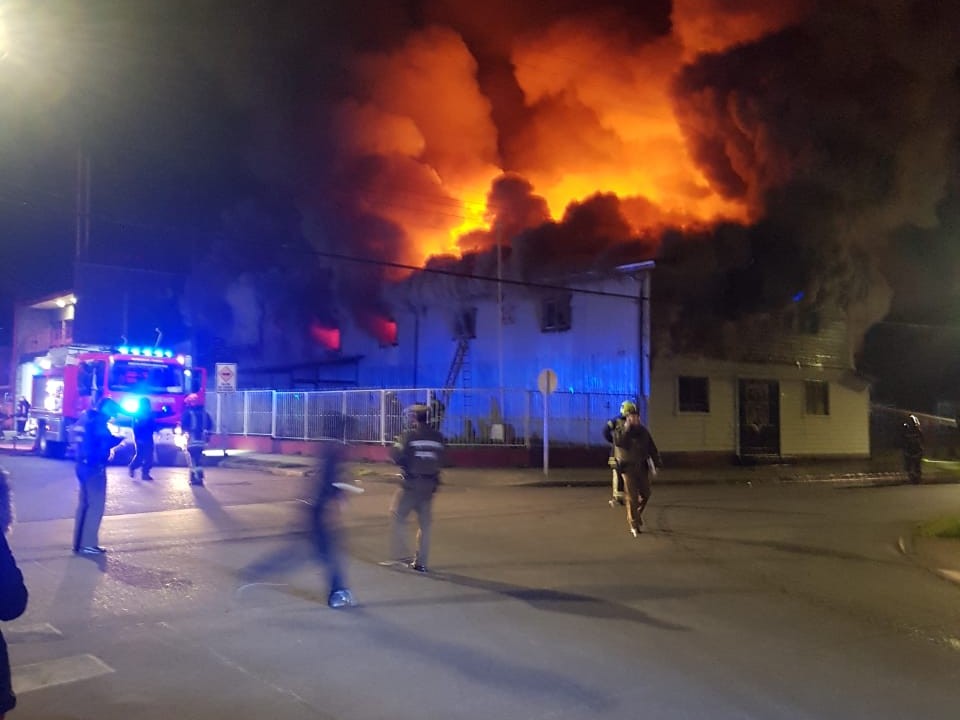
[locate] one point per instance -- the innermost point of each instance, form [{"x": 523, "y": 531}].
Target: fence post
[
  {"x": 383, "y": 417},
  {"x": 526, "y": 418},
  {"x": 246, "y": 411},
  {"x": 306, "y": 416},
  {"x": 586, "y": 439},
  {"x": 343, "y": 414},
  {"x": 273, "y": 414},
  {"x": 220, "y": 414}
]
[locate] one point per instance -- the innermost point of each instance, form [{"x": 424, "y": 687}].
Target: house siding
[{"x": 842, "y": 433}]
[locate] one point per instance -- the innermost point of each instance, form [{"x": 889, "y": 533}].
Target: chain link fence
[{"x": 465, "y": 417}]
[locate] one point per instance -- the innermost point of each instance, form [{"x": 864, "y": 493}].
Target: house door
[{"x": 759, "y": 418}]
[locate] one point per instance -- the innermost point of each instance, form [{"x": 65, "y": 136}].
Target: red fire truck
[{"x": 69, "y": 376}]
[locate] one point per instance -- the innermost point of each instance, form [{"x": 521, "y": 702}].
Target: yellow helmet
[{"x": 628, "y": 407}]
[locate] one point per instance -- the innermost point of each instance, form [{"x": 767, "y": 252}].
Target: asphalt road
[{"x": 772, "y": 601}]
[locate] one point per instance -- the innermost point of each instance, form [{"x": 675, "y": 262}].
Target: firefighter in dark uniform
[
  {"x": 197, "y": 425},
  {"x": 617, "y": 478},
  {"x": 22, "y": 412},
  {"x": 144, "y": 426},
  {"x": 638, "y": 458},
  {"x": 419, "y": 452},
  {"x": 95, "y": 446},
  {"x": 913, "y": 449}
]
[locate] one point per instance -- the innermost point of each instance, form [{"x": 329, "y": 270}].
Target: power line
[{"x": 461, "y": 275}]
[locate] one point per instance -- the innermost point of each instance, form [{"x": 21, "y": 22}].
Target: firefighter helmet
[
  {"x": 628, "y": 407},
  {"x": 192, "y": 400}
]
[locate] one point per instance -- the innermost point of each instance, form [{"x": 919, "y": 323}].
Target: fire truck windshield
[{"x": 146, "y": 377}]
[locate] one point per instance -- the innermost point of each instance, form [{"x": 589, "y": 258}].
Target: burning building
[{"x": 763, "y": 154}]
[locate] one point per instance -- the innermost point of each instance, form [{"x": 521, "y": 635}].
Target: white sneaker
[
  {"x": 341, "y": 599},
  {"x": 635, "y": 532}
]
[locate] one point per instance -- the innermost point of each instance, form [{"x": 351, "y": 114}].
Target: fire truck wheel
[{"x": 49, "y": 448}]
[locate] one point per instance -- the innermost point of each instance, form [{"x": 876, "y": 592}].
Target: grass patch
[{"x": 947, "y": 527}]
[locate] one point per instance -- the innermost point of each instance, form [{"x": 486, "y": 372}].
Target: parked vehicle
[{"x": 122, "y": 375}]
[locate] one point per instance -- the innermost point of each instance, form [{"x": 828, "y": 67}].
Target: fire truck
[{"x": 69, "y": 377}]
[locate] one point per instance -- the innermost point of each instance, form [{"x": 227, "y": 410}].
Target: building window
[
  {"x": 693, "y": 394},
  {"x": 808, "y": 322},
  {"x": 465, "y": 324},
  {"x": 555, "y": 315},
  {"x": 818, "y": 397}
]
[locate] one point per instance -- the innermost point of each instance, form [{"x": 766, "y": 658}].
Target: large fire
[{"x": 595, "y": 114}]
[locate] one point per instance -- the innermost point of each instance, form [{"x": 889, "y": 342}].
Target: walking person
[
  {"x": 144, "y": 426},
  {"x": 419, "y": 452},
  {"x": 326, "y": 528},
  {"x": 13, "y": 593},
  {"x": 617, "y": 476},
  {"x": 94, "y": 450},
  {"x": 638, "y": 457},
  {"x": 197, "y": 425}
]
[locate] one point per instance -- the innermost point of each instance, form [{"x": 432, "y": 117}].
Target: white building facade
[{"x": 782, "y": 389}]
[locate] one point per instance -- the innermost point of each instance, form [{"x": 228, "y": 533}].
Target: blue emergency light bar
[{"x": 145, "y": 352}]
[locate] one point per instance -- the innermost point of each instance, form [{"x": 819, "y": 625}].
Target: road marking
[
  {"x": 19, "y": 633},
  {"x": 61, "y": 671}
]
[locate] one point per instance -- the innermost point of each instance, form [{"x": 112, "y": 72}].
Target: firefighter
[
  {"x": 22, "y": 412},
  {"x": 638, "y": 458},
  {"x": 626, "y": 407},
  {"x": 913, "y": 449},
  {"x": 144, "y": 426},
  {"x": 419, "y": 452},
  {"x": 197, "y": 425}
]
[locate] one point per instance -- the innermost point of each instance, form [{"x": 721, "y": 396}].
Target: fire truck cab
[{"x": 72, "y": 376}]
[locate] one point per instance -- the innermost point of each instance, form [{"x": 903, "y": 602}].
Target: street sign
[
  {"x": 547, "y": 381},
  {"x": 546, "y": 384},
  {"x": 226, "y": 375}
]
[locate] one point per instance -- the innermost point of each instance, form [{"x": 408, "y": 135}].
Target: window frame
[
  {"x": 559, "y": 310},
  {"x": 812, "y": 405},
  {"x": 699, "y": 409}
]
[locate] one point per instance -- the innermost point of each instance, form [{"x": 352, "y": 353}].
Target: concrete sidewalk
[{"x": 853, "y": 472}]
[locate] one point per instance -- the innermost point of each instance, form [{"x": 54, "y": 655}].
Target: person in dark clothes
[
  {"x": 325, "y": 525},
  {"x": 94, "y": 450},
  {"x": 197, "y": 424},
  {"x": 13, "y": 593},
  {"x": 22, "y": 412},
  {"x": 419, "y": 452},
  {"x": 144, "y": 426},
  {"x": 638, "y": 457},
  {"x": 912, "y": 442}
]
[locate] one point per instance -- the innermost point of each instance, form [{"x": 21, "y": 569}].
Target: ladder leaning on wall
[{"x": 460, "y": 364}]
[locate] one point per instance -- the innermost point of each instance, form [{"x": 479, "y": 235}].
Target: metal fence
[{"x": 465, "y": 417}]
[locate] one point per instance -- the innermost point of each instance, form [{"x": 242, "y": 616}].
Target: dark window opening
[
  {"x": 555, "y": 314},
  {"x": 817, "y": 397},
  {"x": 465, "y": 324},
  {"x": 693, "y": 394}
]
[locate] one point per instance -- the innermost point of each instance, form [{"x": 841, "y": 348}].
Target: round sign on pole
[
  {"x": 226, "y": 374},
  {"x": 547, "y": 381}
]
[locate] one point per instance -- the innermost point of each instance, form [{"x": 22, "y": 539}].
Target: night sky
[{"x": 795, "y": 146}]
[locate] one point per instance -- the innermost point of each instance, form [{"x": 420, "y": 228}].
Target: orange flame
[{"x": 598, "y": 117}]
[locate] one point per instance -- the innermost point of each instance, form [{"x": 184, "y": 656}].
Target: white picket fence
[{"x": 469, "y": 418}]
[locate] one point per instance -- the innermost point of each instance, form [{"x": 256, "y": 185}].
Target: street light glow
[{"x": 4, "y": 37}]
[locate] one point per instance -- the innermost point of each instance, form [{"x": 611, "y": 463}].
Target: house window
[
  {"x": 693, "y": 394},
  {"x": 818, "y": 397},
  {"x": 808, "y": 322},
  {"x": 555, "y": 315},
  {"x": 465, "y": 324}
]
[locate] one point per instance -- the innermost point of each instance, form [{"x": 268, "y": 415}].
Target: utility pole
[{"x": 83, "y": 206}]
